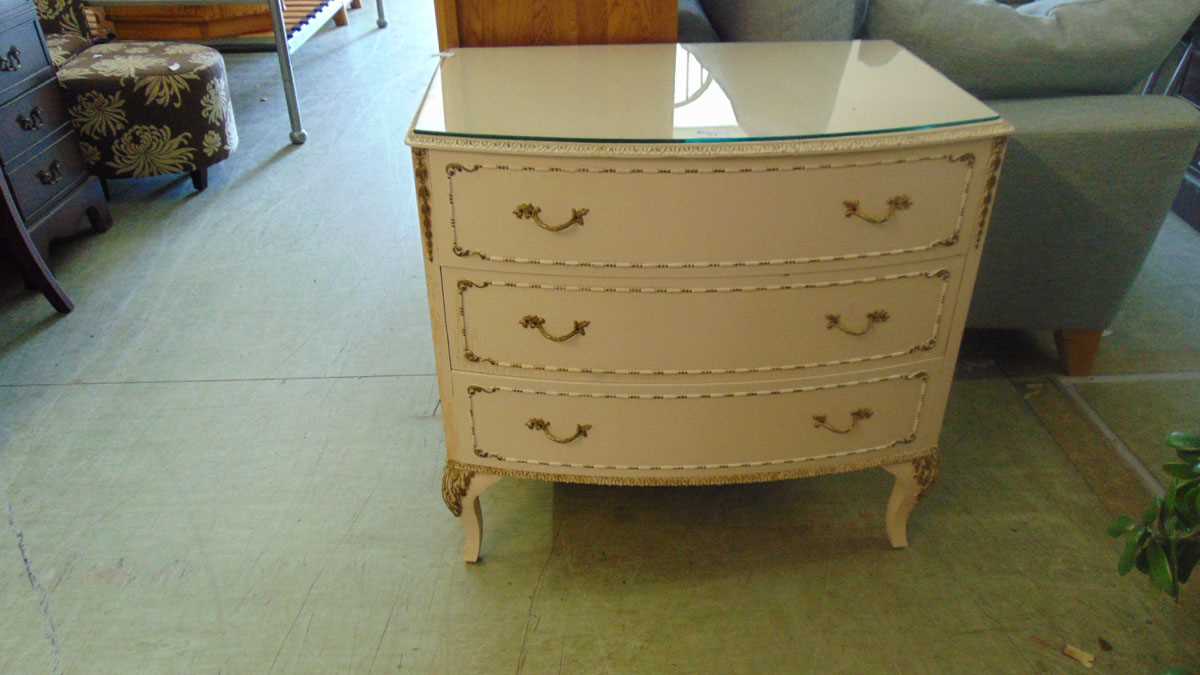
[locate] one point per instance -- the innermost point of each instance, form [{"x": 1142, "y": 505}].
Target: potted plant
[{"x": 1164, "y": 543}]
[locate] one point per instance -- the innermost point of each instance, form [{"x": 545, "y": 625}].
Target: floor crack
[
  {"x": 43, "y": 597},
  {"x": 530, "y": 618}
]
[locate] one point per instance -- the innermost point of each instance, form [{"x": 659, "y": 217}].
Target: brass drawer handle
[
  {"x": 878, "y": 316},
  {"x": 535, "y": 321},
  {"x": 539, "y": 424},
  {"x": 534, "y": 213},
  {"x": 51, "y": 174},
  {"x": 11, "y": 61},
  {"x": 822, "y": 422},
  {"x": 33, "y": 122},
  {"x": 897, "y": 203}
]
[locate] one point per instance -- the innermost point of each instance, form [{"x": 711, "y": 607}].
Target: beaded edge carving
[
  {"x": 454, "y": 169},
  {"x": 474, "y": 390},
  {"x": 470, "y": 355}
]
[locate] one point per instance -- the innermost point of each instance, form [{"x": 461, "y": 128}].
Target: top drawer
[
  {"x": 22, "y": 57},
  {"x": 703, "y": 213}
]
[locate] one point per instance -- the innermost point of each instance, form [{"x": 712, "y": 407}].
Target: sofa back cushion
[
  {"x": 1042, "y": 48},
  {"x": 781, "y": 20}
]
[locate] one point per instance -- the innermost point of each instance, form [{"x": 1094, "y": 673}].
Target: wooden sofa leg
[
  {"x": 1077, "y": 350},
  {"x": 200, "y": 179}
]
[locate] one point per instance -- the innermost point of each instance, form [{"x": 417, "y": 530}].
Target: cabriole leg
[
  {"x": 913, "y": 480},
  {"x": 461, "y": 489}
]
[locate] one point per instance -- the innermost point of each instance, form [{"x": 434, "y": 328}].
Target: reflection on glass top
[{"x": 691, "y": 93}]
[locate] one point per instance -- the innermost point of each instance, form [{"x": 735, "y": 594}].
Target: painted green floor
[
  {"x": 1143, "y": 413},
  {"x": 227, "y": 461}
]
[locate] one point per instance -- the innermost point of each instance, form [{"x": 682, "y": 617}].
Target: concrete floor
[{"x": 227, "y": 461}]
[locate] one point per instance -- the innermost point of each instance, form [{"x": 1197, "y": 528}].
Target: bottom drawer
[
  {"x": 624, "y": 428},
  {"x": 56, "y": 168}
]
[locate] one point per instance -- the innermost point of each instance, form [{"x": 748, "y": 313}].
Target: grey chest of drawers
[{"x": 47, "y": 192}]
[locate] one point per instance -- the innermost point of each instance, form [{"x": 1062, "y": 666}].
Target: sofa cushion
[
  {"x": 779, "y": 20},
  {"x": 693, "y": 23},
  {"x": 1043, "y": 48}
]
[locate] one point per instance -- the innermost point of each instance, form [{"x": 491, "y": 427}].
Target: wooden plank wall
[{"x": 507, "y": 23}]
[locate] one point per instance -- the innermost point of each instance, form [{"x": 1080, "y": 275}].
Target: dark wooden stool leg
[
  {"x": 200, "y": 178},
  {"x": 104, "y": 188},
  {"x": 1077, "y": 350}
]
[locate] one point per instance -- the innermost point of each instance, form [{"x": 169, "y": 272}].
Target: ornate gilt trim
[
  {"x": 456, "y": 480},
  {"x": 816, "y": 146},
  {"x": 926, "y": 470},
  {"x": 950, "y": 240},
  {"x": 474, "y": 390},
  {"x": 421, "y": 177},
  {"x": 682, "y": 479},
  {"x": 471, "y": 355},
  {"x": 985, "y": 210}
]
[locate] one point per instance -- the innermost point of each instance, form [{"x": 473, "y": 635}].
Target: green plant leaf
[
  {"x": 1160, "y": 569},
  {"x": 1181, "y": 440},
  {"x": 1181, "y": 470},
  {"x": 1178, "y": 671},
  {"x": 1120, "y": 526},
  {"x": 1132, "y": 546}
]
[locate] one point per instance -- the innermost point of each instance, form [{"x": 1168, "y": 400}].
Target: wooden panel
[{"x": 493, "y": 23}]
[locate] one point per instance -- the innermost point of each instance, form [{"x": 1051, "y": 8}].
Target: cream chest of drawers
[{"x": 698, "y": 264}]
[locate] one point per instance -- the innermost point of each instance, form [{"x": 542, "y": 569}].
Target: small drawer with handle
[
  {"x": 22, "y": 56},
  {"x": 529, "y": 326},
  {"x": 649, "y": 214},
  {"x": 56, "y": 168},
  {"x": 755, "y": 424},
  {"x": 30, "y": 118}
]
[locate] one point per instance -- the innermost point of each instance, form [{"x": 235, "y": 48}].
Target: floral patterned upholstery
[
  {"x": 62, "y": 16},
  {"x": 62, "y": 46},
  {"x": 149, "y": 108}
]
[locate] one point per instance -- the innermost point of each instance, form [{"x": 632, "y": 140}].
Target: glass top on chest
[{"x": 691, "y": 93}]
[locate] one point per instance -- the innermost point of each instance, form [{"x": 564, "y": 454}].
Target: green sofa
[{"x": 1092, "y": 170}]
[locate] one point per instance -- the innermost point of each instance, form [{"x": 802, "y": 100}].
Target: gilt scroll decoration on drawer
[
  {"x": 465, "y": 286},
  {"x": 474, "y": 390},
  {"x": 902, "y": 202}
]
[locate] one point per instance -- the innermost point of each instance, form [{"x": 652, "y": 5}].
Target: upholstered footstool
[{"x": 150, "y": 108}]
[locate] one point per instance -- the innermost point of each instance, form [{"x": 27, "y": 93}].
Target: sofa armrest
[
  {"x": 1086, "y": 186},
  {"x": 694, "y": 25}
]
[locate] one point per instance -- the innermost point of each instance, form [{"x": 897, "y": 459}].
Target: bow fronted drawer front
[
  {"x": 38, "y": 179},
  {"x": 749, "y": 425},
  {"x": 697, "y": 214},
  {"x": 560, "y": 326}
]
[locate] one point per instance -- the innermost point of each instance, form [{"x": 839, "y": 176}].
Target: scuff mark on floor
[{"x": 43, "y": 597}]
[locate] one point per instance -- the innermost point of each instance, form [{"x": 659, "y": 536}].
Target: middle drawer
[{"x": 508, "y": 323}]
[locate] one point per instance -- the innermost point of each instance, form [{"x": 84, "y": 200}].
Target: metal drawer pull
[
  {"x": 535, "y": 321},
  {"x": 33, "y": 122},
  {"x": 534, "y": 213},
  {"x": 538, "y": 424},
  {"x": 897, "y": 203},
  {"x": 878, "y": 316},
  {"x": 51, "y": 174},
  {"x": 12, "y": 60},
  {"x": 822, "y": 422}
]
